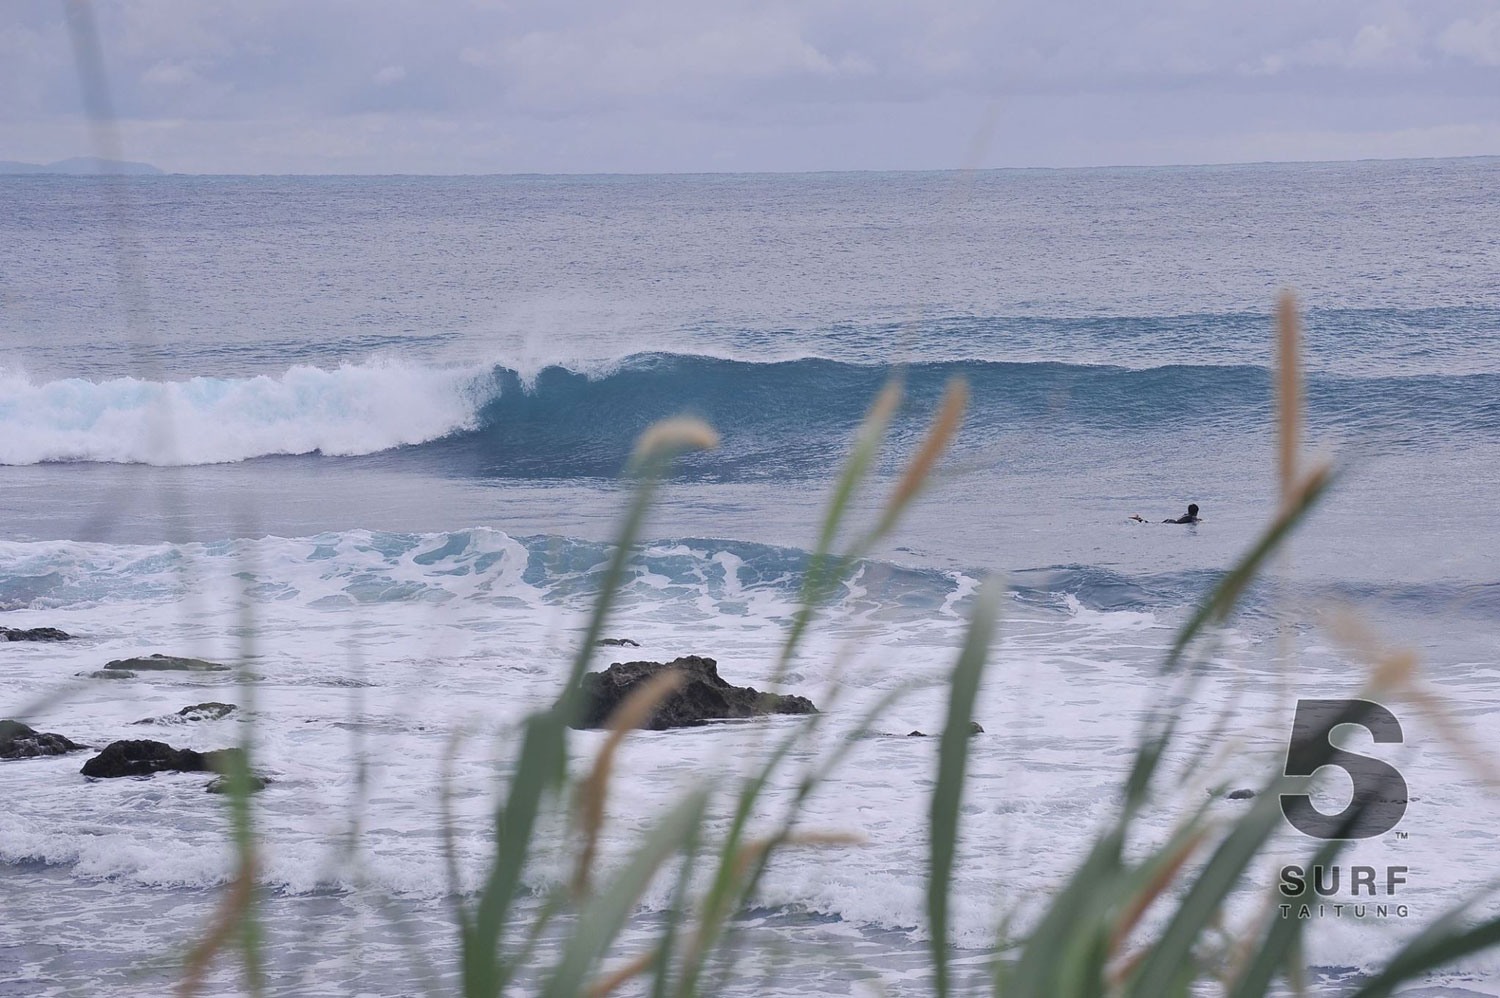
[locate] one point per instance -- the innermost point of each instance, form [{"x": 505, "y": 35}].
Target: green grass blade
[
  {"x": 662, "y": 966},
  {"x": 953, "y": 759},
  {"x": 1215, "y": 609},
  {"x": 1283, "y": 938},
  {"x": 809, "y": 785},
  {"x": 719, "y": 901},
  {"x": 1219, "y": 876},
  {"x": 1226, "y": 594},
  {"x": 1072, "y": 914},
  {"x": 600, "y": 921},
  {"x": 1439, "y": 945},
  {"x": 541, "y": 765},
  {"x": 655, "y": 451},
  {"x": 867, "y": 442}
]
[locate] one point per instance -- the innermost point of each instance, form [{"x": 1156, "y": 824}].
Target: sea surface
[{"x": 364, "y": 437}]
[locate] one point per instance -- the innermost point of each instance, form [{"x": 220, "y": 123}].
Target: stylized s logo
[{"x": 1379, "y": 801}]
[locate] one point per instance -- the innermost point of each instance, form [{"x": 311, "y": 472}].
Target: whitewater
[{"x": 381, "y": 468}]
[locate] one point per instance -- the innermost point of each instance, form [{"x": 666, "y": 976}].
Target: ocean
[{"x": 366, "y": 435}]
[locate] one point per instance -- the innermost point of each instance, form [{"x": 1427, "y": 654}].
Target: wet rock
[
  {"x": 210, "y": 711},
  {"x": 164, "y": 663},
  {"x": 141, "y": 757},
  {"x": 33, "y": 634},
  {"x": 620, "y": 642},
  {"x": 704, "y": 697},
  {"x": 220, "y": 784},
  {"x": 197, "y": 712},
  {"x": 974, "y": 729},
  {"x": 18, "y": 741},
  {"x": 108, "y": 674},
  {"x": 1244, "y": 793}
]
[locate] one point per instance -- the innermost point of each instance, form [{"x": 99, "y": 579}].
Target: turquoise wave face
[
  {"x": 794, "y": 418},
  {"x": 784, "y": 419}
]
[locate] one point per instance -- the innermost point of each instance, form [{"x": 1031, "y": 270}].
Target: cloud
[
  {"x": 170, "y": 74},
  {"x": 1474, "y": 39},
  {"x": 532, "y": 81}
]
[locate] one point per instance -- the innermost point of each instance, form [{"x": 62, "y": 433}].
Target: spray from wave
[{"x": 354, "y": 409}]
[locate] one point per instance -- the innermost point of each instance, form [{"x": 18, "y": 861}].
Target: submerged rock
[
  {"x": 974, "y": 729},
  {"x": 164, "y": 663},
  {"x": 620, "y": 642},
  {"x": 141, "y": 757},
  {"x": 34, "y": 634},
  {"x": 220, "y": 785},
  {"x": 1241, "y": 794},
  {"x": 704, "y": 697},
  {"x": 197, "y": 712},
  {"x": 19, "y": 741},
  {"x": 108, "y": 674}
]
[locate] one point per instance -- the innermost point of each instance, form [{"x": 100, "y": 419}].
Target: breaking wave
[{"x": 777, "y": 417}]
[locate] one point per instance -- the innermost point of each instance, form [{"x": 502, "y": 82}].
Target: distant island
[{"x": 82, "y": 166}]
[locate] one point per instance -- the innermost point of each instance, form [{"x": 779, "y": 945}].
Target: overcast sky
[{"x": 502, "y": 86}]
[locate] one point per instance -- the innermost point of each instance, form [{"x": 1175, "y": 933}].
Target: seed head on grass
[
  {"x": 1288, "y": 393},
  {"x": 945, "y": 425},
  {"x": 1396, "y": 671},
  {"x": 669, "y": 437}
]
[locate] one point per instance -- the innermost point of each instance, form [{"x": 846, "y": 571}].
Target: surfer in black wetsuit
[{"x": 1192, "y": 515}]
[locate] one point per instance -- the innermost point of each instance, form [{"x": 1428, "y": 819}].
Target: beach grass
[{"x": 1091, "y": 936}]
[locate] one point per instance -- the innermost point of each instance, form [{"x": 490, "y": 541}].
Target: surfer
[{"x": 1192, "y": 515}]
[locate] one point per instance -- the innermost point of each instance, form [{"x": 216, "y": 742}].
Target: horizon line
[{"x": 741, "y": 173}]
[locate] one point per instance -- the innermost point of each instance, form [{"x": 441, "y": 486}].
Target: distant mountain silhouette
[{"x": 82, "y": 166}]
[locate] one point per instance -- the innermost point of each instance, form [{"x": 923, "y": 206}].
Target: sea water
[{"x": 365, "y": 436}]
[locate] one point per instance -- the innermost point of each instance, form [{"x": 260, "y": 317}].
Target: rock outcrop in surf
[
  {"x": 704, "y": 696},
  {"x": 220, "y": 785},
  {"x": 975, "y": 728},
  {"x": 33, "y": 634},
  {"x": 197, "y": 712},
  {"x": 142, "y": 757},
  {"x": 19, "y": 741},
  {"x": 158, "y": 662}
]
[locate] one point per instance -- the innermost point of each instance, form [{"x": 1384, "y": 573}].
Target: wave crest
[
  {"x": 778, "y": 417},
  {"x": 354, "y": 409}
]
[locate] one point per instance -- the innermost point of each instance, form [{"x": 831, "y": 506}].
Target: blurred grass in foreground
[{"x": 1087, "y": 941}]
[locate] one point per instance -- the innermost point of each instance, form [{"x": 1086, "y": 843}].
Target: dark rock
[
  {"x": 18, "y": 741},
  {"x": 1240, "y": 794},
  {"x": 33, "y": 634},
  {"x": 164, "y": 663},
  {"x": 142, "y": 758},
  {"x": 210, "y": 711},
  {"x": 197, "y": 712},
  {"x": 108, "y": 674},
  {"x": 703, "y": 698},
  {"x": 974, "y": 729},
  {"x": 220, "y": 785},
  {"x": 620, "y": 642}
]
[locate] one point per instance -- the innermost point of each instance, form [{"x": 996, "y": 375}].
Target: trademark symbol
[{"x": 1403, "y": 835}]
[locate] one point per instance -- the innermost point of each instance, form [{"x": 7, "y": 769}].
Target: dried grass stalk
[
  {"x": 1288, "y": 393},
  {"x": 631, "y": 714}
]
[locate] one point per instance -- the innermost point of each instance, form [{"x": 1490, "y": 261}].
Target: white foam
[
  {"x": 353, "y": 409},
  {"x": 453, "y": 631}
]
